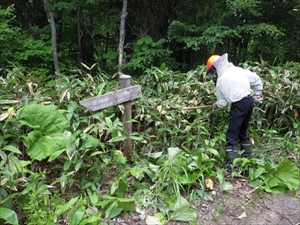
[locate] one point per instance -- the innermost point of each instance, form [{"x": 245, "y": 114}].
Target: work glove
[{"x": 257, "y": 98}]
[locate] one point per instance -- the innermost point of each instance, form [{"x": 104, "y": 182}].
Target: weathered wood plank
[{"x": 112, "y": 98}]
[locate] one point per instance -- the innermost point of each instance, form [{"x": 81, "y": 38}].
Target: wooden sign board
[{"x": 112, "y": 98}]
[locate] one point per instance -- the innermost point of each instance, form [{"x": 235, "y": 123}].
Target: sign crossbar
[{"x": 112, "y": 98}]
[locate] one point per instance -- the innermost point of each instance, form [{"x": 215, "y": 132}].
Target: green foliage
[
  {"x": 273, "y": 178},
  {"x": 177, "y": 155},
  {"x": 250, "y": 6},
  {"x": 190, "y": 35},
  {"x": 179, "y": 35},
  {"x": 284, "y": 175},
  {"x": 113, "y": 206},
  {"x": 21, "y": 49},
  {"x": 147, "y": 53},
  {"x": 281, "y": 98},
  {"x": 47, "y": 136},
  {"x": 181, "y": 211}
]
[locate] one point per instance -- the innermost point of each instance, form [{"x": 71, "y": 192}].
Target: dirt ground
[{"x": 244, "y": 206}]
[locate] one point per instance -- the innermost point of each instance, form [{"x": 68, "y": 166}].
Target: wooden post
[
  {"x": 125, "y": 81},
  {"x": 125, "y": 95}
]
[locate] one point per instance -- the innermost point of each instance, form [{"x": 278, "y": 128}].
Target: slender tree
[
  {"x": 53, "y": 34},
  {"x": 122, "y": 35}
]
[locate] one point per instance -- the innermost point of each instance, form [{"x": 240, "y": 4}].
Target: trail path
[
  {"x": 244, "y": 206},
  {"x": 248, "y": 206}
]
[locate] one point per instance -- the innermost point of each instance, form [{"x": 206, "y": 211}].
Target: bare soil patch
[
  {"x": 244, "y": 206},
  {"x": 247, "y": 205}
]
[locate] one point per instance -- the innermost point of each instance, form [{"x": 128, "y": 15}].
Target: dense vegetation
[{"x": 63, "y": 164}]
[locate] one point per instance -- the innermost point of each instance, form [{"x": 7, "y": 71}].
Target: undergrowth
[{"x": 63, "y": 164}]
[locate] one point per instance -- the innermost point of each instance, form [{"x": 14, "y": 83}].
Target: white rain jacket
[{"x": 234, "y": 83}]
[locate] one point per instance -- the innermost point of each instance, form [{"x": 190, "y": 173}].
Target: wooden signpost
[{"x": 124, "y": 95}]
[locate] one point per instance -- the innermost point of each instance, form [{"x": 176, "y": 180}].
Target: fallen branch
[{"x": 251, "y": 192}]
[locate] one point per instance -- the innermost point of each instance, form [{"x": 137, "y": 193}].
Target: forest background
[
  {"x": 63, "y": 164},
  {"x": 179, "y": 34}
]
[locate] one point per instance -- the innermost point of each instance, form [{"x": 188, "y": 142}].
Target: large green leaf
[
  {"x": 43, "y": 146},
  {"x": 284, "y": 175},
  {"x": 45, "y": 118},
  {"x": 290, "y": 175},
  {"x": 182, "y": 211},
  {"x": 48, "y": 126},
  {"x": 273, "y": 185},
  {"x": 9, "y": 216}
]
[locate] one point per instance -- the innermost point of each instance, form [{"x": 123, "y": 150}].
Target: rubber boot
[
  {"x": 246, "y": 147},
  {"x": 231, "y": 155}
]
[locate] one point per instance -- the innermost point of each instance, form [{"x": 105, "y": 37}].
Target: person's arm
[
  {"x": 221, "y": 101},
  {"x": 255, "y": 82}
]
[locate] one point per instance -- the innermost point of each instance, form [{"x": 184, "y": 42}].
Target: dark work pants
[{"x": 240, "y": 114}]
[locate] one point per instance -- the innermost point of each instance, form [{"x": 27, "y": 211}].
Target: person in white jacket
[{"x": 240, "y": 88}]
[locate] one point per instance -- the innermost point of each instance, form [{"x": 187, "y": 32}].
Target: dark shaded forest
[{"x": 170, "y": 33}]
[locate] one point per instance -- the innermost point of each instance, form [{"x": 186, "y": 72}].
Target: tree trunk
[
  {"x": 53, "y": 35},
  {"x": 122, "y": 36},
  {"x": 80, "y": 33}
]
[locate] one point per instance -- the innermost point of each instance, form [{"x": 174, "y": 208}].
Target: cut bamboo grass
[
  {"x": 188, "y": 108},
  {"x": 197, "y": 107}
]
